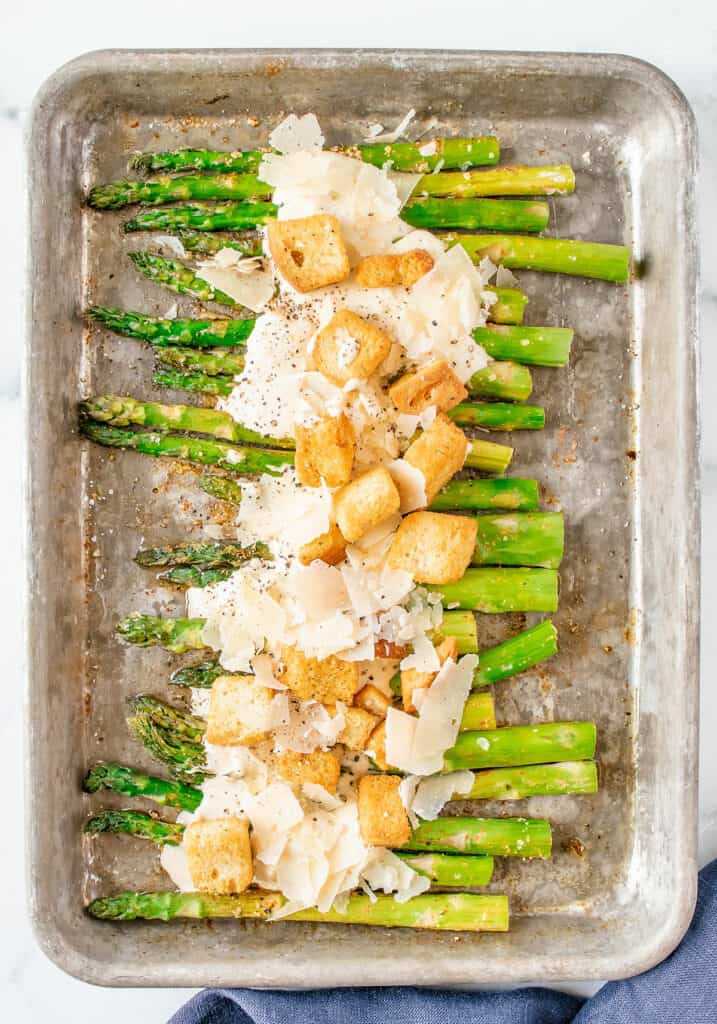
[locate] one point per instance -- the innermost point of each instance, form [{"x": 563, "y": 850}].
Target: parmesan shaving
[
  {"x": 297, "y": 134},
  {"x": 398, "y": 130},
  {"x": 245, "y": 280},
  {"x": 411, "y": 484},
  {"x": 432, "y": 794}
]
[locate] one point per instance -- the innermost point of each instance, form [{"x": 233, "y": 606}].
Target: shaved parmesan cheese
[
  {"x": 320, "y": 795},
  {"x": 309, "y": 727},
  {"x": 505, "y": 278},
  {"x": 318, "y": 397},
  {"x": 263, "y": 669},
  {"x": 172, "y": 244},
  {"x": 428, "y": 148},
  {"x": 411, "y": 484},
  {"x": 384, "y": 870},
  {"x": 318, "y": 591},
  {"x": 424, "y": 657},
  {"x": 272, "y": 813},
  {"x": 245, "y": 280},
  {"x": 420, "y": 239},
  {"x": 296, "y": 134},
  {"x": 405, "y": 184},
  {"x": 398, "y": 130},
  {"x": 407, "y": 790},
  {"x": 433, "y": 793},
  {"x": 174, "y": 861},
  {"x": 417, "y": 745},
  {"x": 282, "y": 512}
]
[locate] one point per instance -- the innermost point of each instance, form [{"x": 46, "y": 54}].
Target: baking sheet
[{"x": 619, "y": 455}]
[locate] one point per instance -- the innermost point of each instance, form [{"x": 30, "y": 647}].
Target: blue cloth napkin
[{"x": 680, "y": 990}]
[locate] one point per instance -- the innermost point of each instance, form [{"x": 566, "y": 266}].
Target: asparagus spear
[
  {"x": 206, "y": 217},
  {"x": 211, "y": 363},
  {"x": 230, "y": 457},
  {"x": 136, "y": 823},
  {"x": 476, "y": 214},
  {"x": 566, "y": 777},
  {"x": 512, "y": 493},
  {"x": 499, "y": 181},
  {"x": 185, "y": 576},
  {"x": 522, "y": 744},
  {"x": 499, "y": 416},
  {"x": 194, "y": 383},
  {"x": 172, "y": 736},
  {"x": 557, "y": 255},
  {"x": 220, "y": 487},
  {"x": 178, "y": 278},
  {"x": 502, "y": 590},
  {"x": 201, "y": 676},
  {"x": 196, "y": 160},
  {"x": 537, "y": 346},
  {"x": 128, "y": 782},
  {"x": 192, "y": 333},
  {"x": 207, "y": 554},
  {"x": 209, "y": 243},
  {"x": 478, "y": 712},
  {"x": 518, "y": 654},
  {"x": 509, "y": 306},
  {"x": 497, "y": 837},
  {"x": 124, "y": 411},
  {"x": 508, "y": 381},
  {"x": 435, "y": 911},
  {"x": 520, "y": 538},
  {"x": 488, "y": 456},
  {"x": 165, "y": 189}
]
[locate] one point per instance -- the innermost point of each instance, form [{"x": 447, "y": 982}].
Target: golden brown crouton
[
  {"x": 412, "y": 679},
  {"x": 359, "y": 726},
  {"x": 365, "y": 502},
  {"x": 329, "y": 547},
  {"x": 320, "y": 766},
  {"x": 349, "y": 347},
  {"x": 325, "y": 451},
  {"x": 393, "y": 269},
  {"x": 382, "y": 817},
  {"x": 376, "y": 746},
  {"x": 434, "y": 547},
  {"x": 327, "y": 680},
  {"x": 373, "y": 700},
  {"x": 310, "y": 252},
  {"x": 439, "y": 453},
  {"x": 238, "y": 707},
  {"x": 432, "y": 384},
  {"x": 219, "y": 855}
]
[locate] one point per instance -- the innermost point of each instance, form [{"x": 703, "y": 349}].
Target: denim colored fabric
[{"x": 680, "y": 990}]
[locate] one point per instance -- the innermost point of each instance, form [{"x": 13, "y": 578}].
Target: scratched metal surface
[{"x": 618, "y": 455}]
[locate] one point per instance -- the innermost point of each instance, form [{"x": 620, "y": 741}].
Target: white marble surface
[{"x": 35, "y": 39}]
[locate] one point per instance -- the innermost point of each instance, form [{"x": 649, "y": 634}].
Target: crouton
[
  {"x": 309, "y": 252},
  {"x": 325, "y": 451},
  {"x": 393, "y": 269},
  {"x": 439, "y": 453},
  {"x": 329, "y": 547},
  {"x": 434, "y": 547},
  {"x": 382, "y": 817},
  {"x": 359, "y": 726},
  {"x": 219, "y": 855},
  {"x": 376, "y": 746},
  {"x": 238, "y": 711},
  {"x": 349, "y": 347},
  {"x": 433, "y": 384},
  {"x": 320, "y": 766},
  {"x": 365, "y": 502},
  {"x": 412, "y": 679},
  {"x": 372, "y": 699},
  {"x": 327, "y": 680}
]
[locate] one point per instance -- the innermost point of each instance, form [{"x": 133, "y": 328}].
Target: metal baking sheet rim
[{"x": 56, "y": 941}]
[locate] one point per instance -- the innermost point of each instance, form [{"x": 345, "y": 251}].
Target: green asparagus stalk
[
  {"x": 477, "y": 214},
  {"x": 230, "y": 457},
  {"x": 518, "y": 654},
  {"x": 208, "y": 217},
  {"x": 172, "y": 736},
  {"x": 208, "y": 362},
  {"x": 136, "y": 823},
  {"x": 499, "y": 416},
  {"x": 536, "y": 346},
  {"x": 128, "y": 782},
  {"x": 201, "y": 676},
  {"x": 178, "y": 278},
  {"x": 192, "y": 333},
  {"x": 165, "y": 189},
  {"x": 497, "y": 837},
  {"x": 478, "y": 712},
  {"x": 499, "y": 181},
  {"x": 488, "y": 456},
  {"x": 208, "y": 554},
  {"x": 246, "y": 162},
  {"x": 557, "y": 255},
  {"x": 185, "y": 576},
  {"x": 520, "y": 538},
  {"x": 476, "y": 495},
  {"x": 508, "y": 307},
  {"x": 566, "y": 777},
  {"x": 502, "y": 590},
  {"x": 521, "y": 744},
  {"x": 209, "y": 243},
  {"x": 510, "y": 382},
  {"x": 434, "y": 911},
  {"x": 220, "y": 487},
  {"x": 194, "y": 383}
]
